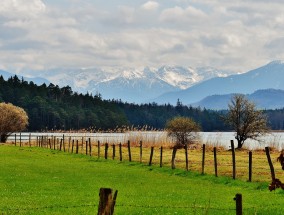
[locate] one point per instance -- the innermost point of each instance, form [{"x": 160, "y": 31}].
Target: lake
[{"x": 274, "y": 139}]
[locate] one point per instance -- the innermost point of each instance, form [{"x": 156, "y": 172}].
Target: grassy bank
[{"x": 44, "y": 181}]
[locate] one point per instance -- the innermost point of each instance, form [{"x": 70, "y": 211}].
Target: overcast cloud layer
[{"x": 236, "y": 35}]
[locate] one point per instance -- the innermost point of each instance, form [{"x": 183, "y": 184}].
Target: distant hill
[
  {"x": 264, "y": 99},
  {"x": 36, "y": 80},
  {"x": 268, "y": 76}
]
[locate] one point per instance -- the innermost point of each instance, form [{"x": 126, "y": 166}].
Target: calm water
[{"x": 275, "y": 139}]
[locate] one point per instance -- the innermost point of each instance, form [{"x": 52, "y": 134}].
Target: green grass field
[{"x": 43, "y": 181}]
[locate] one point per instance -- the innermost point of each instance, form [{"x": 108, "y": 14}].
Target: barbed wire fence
[{"x": 123, "y": 151}]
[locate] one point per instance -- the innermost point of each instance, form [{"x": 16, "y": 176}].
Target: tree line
[{"x": 50, "y": 107}]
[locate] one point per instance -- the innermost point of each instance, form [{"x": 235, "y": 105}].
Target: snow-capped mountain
[
  {"x": 136, "y": 85},
  {"x": 266, "y": 77}
]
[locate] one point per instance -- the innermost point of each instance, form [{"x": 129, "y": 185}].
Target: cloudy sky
[{"x": 237, "y": 35}]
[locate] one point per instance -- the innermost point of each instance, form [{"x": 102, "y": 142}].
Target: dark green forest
[{"x": 54, "y": 108}]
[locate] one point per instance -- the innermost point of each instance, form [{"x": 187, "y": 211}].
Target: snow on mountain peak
[{"x": 276, "y": 62}]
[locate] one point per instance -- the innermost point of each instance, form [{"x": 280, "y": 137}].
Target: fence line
[{"x": 211, "y": 159}]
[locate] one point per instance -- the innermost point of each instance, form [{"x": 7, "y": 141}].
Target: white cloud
[
  {"x": 150, "y": 5},
  {"x": 16, "y": 8},
  {"x": 237, "y": 35}
]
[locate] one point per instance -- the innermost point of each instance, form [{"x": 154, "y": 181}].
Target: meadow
[{"x": 37, "y": 180}]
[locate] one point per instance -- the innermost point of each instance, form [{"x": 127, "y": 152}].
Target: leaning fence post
[
  {"x": 107, "y": 201},
  {"x": 270, "y": 163},
  {"x": 239, "y": 206},
  {"x": 233, "y": 158}
]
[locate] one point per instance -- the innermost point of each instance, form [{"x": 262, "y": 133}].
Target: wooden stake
[
  {"x": 239, "y": 206},
  {"x": 250, "y": 166},
  {"x": 203, "y": 158},
  {"x": 270, "y": 163},
  {"x": 107, "y": 201},
  {"x": 233, "y": 158},
  {"x": 151, "y": 155},
  {"x": 215, "y": 162}
]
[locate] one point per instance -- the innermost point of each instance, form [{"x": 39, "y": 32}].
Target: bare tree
[
  {"x": 246, "y": 120},
  {"x": 184, "y": 131},
  {"x": 12, "y": 119}
]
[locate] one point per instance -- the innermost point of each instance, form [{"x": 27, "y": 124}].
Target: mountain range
[
  {"x": 135, "y": 85},
  {"x": 270, "y": 76},
  {"x": 205, "y": 86}
]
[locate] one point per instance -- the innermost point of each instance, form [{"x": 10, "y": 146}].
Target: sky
[{"x": 237, "y": 35}]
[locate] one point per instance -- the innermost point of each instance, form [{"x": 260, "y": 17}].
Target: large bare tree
[
  {"x": 184, "y": 131},
  {"x": 247, "y": 121},
  {"x": 12, "y": 119}
]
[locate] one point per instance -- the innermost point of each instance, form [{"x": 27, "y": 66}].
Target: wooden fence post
[
  {"x": 161, "y": 156},
  {"x": 239, "y": 206},
  {"x": 106, "y": 148},
  {"x": 215, "y": 162},
  {"x": 107, "y": 201},
  {"x": 63, "y": 142},
  {"x": 69, "y": 144},
  {"x": 186, "y": 156},
  {"x": 120, "y": 152},
  {"x": 60, "y": 147},
  {"x": 233, "y": 158},
  {"x": 270, "y": 163},
  {"x": 250, "y": 165},
  {"x": 30, "y": 139},
  {"x": 90, "y": 146},
  {"x": 129, "y": 150},
  {"x": 99, "y": 149},
  {"x": 72, "y": 146},
  {"x": 41, "y": 142},
  {"x": 203, "y": 158},
  {"x": 151, "y": 155},
  {"x": 86, "y": 147},
  {"x": 77, "y": 146},
  {"x": 54, "y": 142},
  {"x": 140, "y": 151},
  {"x": 113, "y": 151},
  {"x": 15, "y": 139}
]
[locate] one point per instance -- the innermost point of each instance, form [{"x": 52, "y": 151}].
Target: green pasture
[{"x": 43, "y": 181}]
